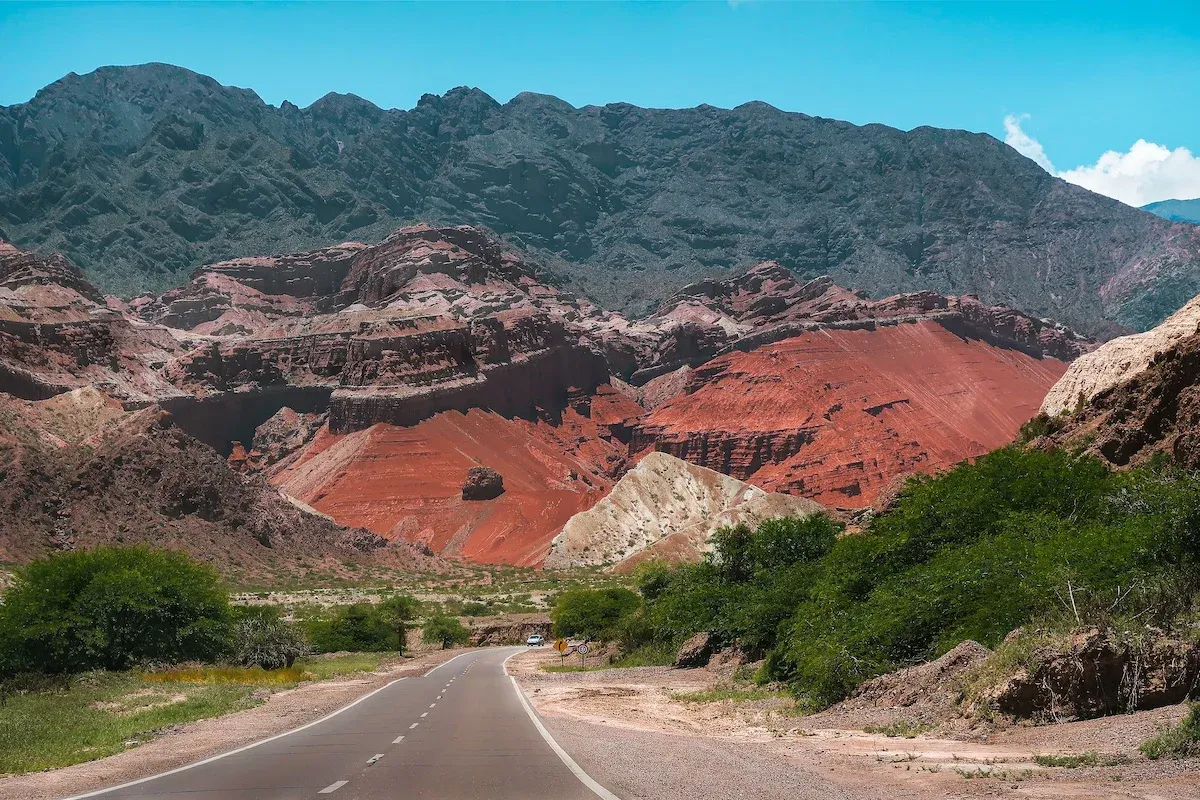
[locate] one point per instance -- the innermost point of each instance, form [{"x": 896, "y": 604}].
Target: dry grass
[{"x": 243, "y": 676}]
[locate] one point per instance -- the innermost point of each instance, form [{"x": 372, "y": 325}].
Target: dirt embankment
[
  {"x": 196, "y": 741},
  {"x": 592, "y": 710}
]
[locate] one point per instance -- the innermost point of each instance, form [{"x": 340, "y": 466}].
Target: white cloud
[
  {"x": 1025, "y": 144},
  {"x": 1147, "y": 173}
]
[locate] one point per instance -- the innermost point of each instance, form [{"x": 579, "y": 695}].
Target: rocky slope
[
  {"x": 143, "y": 173},
  {"x": 79, "y": 471},
  {"x": 367, "y": 380},
  {"x": 1119, "y": 360},
  {"x": 836, "y": 414},
  {"x": 665, "y": 508},
  {"x": 406, "y": 482},
  {"x": 1136, "y": 396}
]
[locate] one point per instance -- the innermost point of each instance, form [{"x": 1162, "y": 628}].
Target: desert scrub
[
  {"x": 734, "y": 694},
  {"x": 102, "y": 713},
  {"x": 1181, "y": 741},
  {"x": 241, "y": 676},
  {"x": 901, "y": 728},
  {"x": 333, "y": 666},
  {"x": 1089, "y": 759}
]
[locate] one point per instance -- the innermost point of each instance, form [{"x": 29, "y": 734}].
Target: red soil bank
[
  {"x": 407, "y": 482},
  {"x": 836, "y": 415}
]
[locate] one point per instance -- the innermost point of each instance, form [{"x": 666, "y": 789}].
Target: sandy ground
[
  {"x": 199, "y": 740},
  {"x": 626, "y": 728}
]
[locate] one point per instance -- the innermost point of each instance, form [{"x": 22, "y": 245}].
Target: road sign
[
  {"x": 560, "y": 645},
  {"x": 582, "y": 649}
]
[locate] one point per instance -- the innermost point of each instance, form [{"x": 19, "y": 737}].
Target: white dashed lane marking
[
  {"x": 333, "y": 787},
  {"x": 374, "y": 758},
  {"x": 398, "y": 740},
  {"x": 431, "y": 705},
  {"x": 426, "y": 714},
  {"x": 415, "y": 724}
]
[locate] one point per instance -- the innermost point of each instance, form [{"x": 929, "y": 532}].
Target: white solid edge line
[
  {"x": 333, "y": 787},
  {"x": 242, "y": 749},
  {"x": 584, "y": 778},
  {"x": 447, "y": 661}
]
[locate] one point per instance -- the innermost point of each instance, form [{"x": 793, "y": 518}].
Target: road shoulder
[{"x": 196, "y": 741}]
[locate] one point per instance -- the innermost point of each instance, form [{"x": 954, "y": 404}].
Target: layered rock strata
[
  {"x": 836, "y": 414},
  {"x": 665, "y": 508}
]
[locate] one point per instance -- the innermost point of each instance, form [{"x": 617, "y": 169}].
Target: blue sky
[{"x": 1092, "y": 77}]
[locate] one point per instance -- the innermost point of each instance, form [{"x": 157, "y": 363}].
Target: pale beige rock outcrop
[
  {"x": 668, "y": 508},
  {"x": 1119, "y": 360}
]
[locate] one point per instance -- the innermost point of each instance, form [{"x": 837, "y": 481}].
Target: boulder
[
  {"x": 483, "y": 483},
  {"x": 696, "y": 651},
  {"x": 1093, "y": 674}
]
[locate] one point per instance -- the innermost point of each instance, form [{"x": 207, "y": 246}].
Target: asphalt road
[{"x": 460, "y": 732}]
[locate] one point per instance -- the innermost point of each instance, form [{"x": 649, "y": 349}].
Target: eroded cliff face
[
  {"x": 767, "y": 304},
  {"x": 58, "y": 334},
  {"x": 1135, "y": 397},
  {"x": 837, "y": 414},
  {"x": 81, "y": 471},
  {"x": 405, "y": 483},
  {"x": 1120, "y": 360},
  {"x": 365, "y": 380}
]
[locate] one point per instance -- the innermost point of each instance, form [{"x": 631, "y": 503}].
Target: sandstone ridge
[{"x": 665, "y": 508}]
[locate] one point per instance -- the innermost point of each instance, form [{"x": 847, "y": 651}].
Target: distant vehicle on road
[{"x": 537, "y": 640}]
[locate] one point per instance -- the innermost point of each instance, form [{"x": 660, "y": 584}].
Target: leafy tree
[
  {"x": 592, "y": 613},
  {"x": 397, "y": 611},
  {"x": 785, "y": 541},
  {"x": 445, "y": 629},
  {"x": 111, "y": 608},
  {"x": 267, "y": 640},
  {"x": 358, "y": 628}
]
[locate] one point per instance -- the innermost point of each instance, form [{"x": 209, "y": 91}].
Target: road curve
[{"x": 463, "y": 731}]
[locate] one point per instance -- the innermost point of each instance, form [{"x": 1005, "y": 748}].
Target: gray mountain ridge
[{"x": 140, "y": 174}]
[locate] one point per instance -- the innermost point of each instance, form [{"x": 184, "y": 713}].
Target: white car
[{"x": 537, "y": 640}]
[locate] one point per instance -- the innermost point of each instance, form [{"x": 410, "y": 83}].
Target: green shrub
[
  {"x": 267, "y": 641},
  {"x": 357, "y": 628},
  {"x": 397, "y": 611},
  {"x": 1181, "y": 741},
  {"x": 111, "y": 608},
  {"x": 1017, "y": 536},
  {"x": 445, "y": 629},
  {"x": 984, "y": 548},
  {"x": 592, "y": 613}
]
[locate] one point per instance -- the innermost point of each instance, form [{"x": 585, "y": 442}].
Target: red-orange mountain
[
  {"x": 366, "y": 380},
  {"x": 837, "y": 414}
]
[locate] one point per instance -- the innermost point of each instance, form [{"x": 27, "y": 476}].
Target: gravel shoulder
[
  {"x": 196, "y": 741},
  {"x": 763, "y": 749}
]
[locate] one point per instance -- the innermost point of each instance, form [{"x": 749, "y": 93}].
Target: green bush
[
  {"x": 356, "y": 628},
  {"x": 265, "y": 639},
  {"x": 592, "y": 613},
  {"x": 1017, "y": 536},
  {"x": 984, "y": 548},
  {"x": 751, "y": 583},
  {"x": 111, "y": 608},
  {"x": 396, "y": 612},
  {"x": 445, "y": 629},
  {"x": 1182, "y": 741}
]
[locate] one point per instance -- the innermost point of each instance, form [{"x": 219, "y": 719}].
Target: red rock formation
[
  {"x": 767, "y": 304},
  {"x": 836, "y": 414},
  {"x": 406, "y": 483},
  {"x": 79, "y": 471},
  {"x": 57, "y": 334}
]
